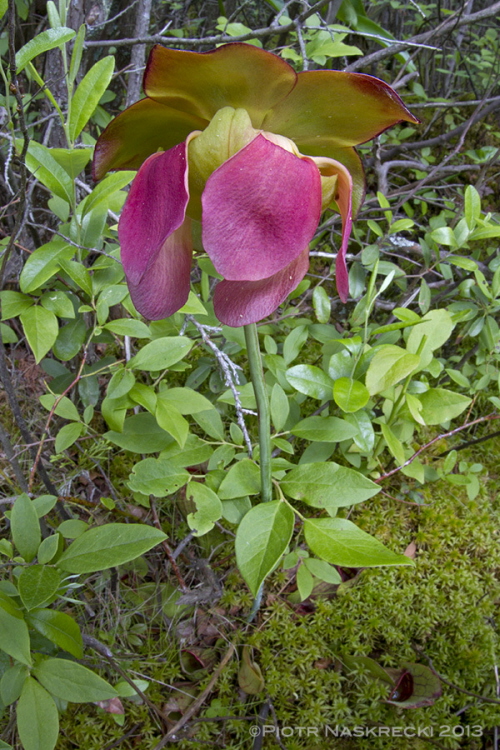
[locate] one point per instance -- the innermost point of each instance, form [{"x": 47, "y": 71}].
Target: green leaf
[
  {"x": 14, "y": 303},
  {"x": 365, "y": 437},
  {"x": 158, "y": 477},
  {"x": 161, "y": 353},
  {"x": 48, "y": 549},
  {"x": 37, "y": 585},
  {"x": 322, "y": 570},
  {"x": 389, "y": 365},
  {"x": 294, "y": 343},
  {"x": 141, "y": 434},
  {"x": 72, "y": 528},
  {"x": 171, "y": 420},
  {"x": 440, "y": 405},
  {"x": 88, "y": 94},
  {"x": 322, "y": 304},
  {"x": 444, "y": 236},
  {"x": 12, "y": 683},
  {"x": 120, "y": 384},
  {"x": 76, "y": 55},
  {"x": 243, "y": 478},
  {"x": 42, "y": 43},
  {"x": 65, "y": 408},
  {"x": 210, "y": 422},
  {"x": 43, "y": 263},
  {"x": 14, "y": 635},
  {"x": 68, "y": 435},
  {"x": 185, "y": 400},
  {"x": 42, "y": 164},
  {"x": 129, "y": 327},
  {"x": 280, "y": 408},
  {"x": 41, "y": 328},
  {"x": 59, "y": 303},
  {"x": 70, "y": 339},
  {"x": 59, "y": 628},
  {"x": 310, "y": 380},
  {"x": 350, "y": 395},
  {"x": 77, "y": 273},
  {"x": 196, "y": 451},
  {"x": 262, "y": 537},
  {"x": 305, "y": 582},
  {"x": 109, "y": 545},
  {"x": 340, "y": 542},
  {"x": 208, "y": 508},
  {"x": 73, "y": 682},
  {"x": 25, "y": 527},
  {"x": 437, "y": 327},
  {"x": 72, "y": 160},
  {"x": 37, "y": 717},
  {"x": 105, "y": 189},
  {"x": 7, "y": 334},
  {"x": 395, "y": 446},
  {"x": 324, "y": 429},
  {"x": 328, "y": 485}
]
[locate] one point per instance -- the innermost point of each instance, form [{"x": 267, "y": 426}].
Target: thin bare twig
[{"x": 488, "y": 418}]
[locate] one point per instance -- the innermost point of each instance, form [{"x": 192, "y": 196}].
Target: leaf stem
[{"x": 259, "y": 386}]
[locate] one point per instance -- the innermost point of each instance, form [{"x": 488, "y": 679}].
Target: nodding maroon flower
[{"x": 238, "y": 140}]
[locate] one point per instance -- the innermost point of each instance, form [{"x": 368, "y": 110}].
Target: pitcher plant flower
[{"x": 238, "y": 140}]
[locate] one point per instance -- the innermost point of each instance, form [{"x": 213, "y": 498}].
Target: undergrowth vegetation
[{"x": 131, "y": 612}]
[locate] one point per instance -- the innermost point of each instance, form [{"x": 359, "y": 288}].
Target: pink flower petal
[
  {"x": 154, "y": 209},
  {"x": 343, "y": 198},
  {"x": 164, "y": 287},
  {"x": 260, "y": 210},
  {"x": 237, "y": 303}
]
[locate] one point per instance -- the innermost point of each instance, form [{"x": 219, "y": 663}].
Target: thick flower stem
[{"x": 259, "y": 386}]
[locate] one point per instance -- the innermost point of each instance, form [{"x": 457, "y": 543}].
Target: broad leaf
[
  {"x": 161, "y": 353},
  {"x": 440, "y": 405},
  {"x": 350, "y": 395},
  {"x": 25, "y": 526},
  {"x": 141, "y": 434},
  {"x": 41, "y": 329},
  {"x": 73, "y": 682},
  {"x": 109, "y": 545},
  {"x": 324, "y": 429},
  {"x": 59, "y": 628},
  {"x": 310, "y": 380},
  {"x": 328, "y": 485},
  {"x": 37, "y": 717},
  {"x": 37, "y": 585},
  {"x": 14, "y": 635},
  {"x": 261, "y": 539},
  {"x": 341, "y": 542},
  {"x": 242, "y": 479},
  {"x": 158, "y": 477},
  {"x": 208, "y": 508},
  {"x": 389, "y": 366},
  {"x": 88, "y": 93},
  {"x": 42, "y": 43}
]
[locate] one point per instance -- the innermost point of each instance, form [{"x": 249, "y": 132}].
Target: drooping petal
[
  {"x": 350, "y": 159},
  {"x": 164, "y": 287},
  {"x": 154, "y": 209},
  {"x": 260, "y": 209},
  {"x": 339, "y": 108},
  {"x": 237, "y": 303},
  {"x": 140, "y": 131},
  {"x": 343, "y": 199},
  {"x": 234, "y": 75}
]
